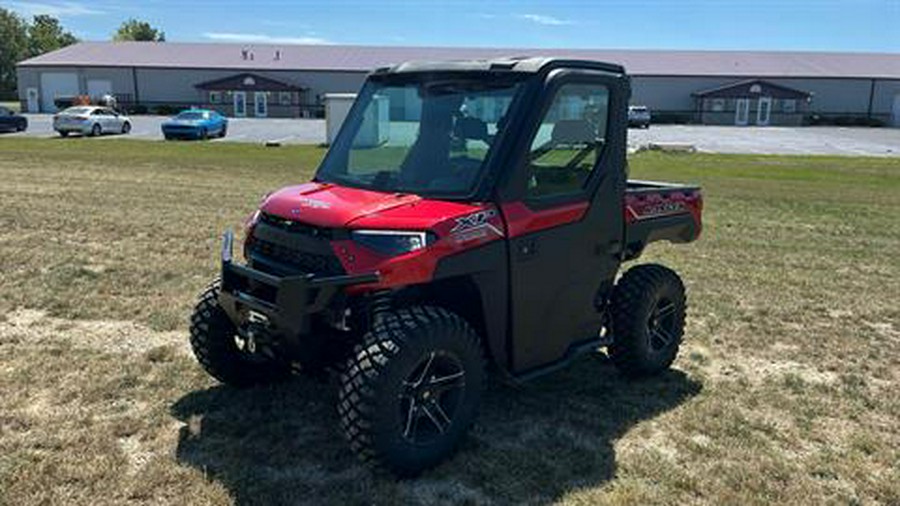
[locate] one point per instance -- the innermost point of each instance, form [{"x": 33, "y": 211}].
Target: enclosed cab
[{"x": 470, "y": 216}]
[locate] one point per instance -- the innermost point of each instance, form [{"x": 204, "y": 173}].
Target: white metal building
[{"x": 719, "y": 87}]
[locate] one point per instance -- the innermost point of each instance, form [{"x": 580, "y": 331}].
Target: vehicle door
[
  {"x": 114, "y": 119},
  {"x": 565, "y": 220},
  {"x": 99, "y": 118},
  {"x": 7, "y": 120}
]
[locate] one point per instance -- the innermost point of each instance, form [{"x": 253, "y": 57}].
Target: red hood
[{"x": 332, "y": 206}]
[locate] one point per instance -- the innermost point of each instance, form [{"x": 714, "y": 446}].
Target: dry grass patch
[{"x": 785, "y": 391}]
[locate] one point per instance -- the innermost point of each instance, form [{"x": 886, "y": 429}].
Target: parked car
[
  {"x": 91, "y": 120},
  {"x": 12, "y": 122},
  {"x": 638, "y": 116},
  {"x": 195, "y": 124}
]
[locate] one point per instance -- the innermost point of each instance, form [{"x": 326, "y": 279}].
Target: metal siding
[
  {"x": 883, "y": 99},
  {"x": 671, "y": 93},
  {"x": 178, "y": 85},
  {"x": 833, "y": 96}
]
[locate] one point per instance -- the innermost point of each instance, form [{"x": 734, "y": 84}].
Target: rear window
[
  {"x": 193, "y": 115},
  {"x": 77, "y": 110}
]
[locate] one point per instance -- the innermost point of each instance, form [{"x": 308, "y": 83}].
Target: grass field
[
  {"x": 13, "y": 105},
  {"x": 786, "y": 390}
]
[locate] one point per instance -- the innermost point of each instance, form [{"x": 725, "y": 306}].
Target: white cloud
[
  {"x": 542, "y": 19},
  {"x": 262, "y": 38},
  {"x": 56, "y": 9}
]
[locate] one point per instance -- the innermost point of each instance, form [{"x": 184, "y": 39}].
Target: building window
[
  {"x": 789, "y": 106},
  {"x": 215, "y": 97},
  {"x": 718, "y": 104},
  {"x": 285, "y": 97}
]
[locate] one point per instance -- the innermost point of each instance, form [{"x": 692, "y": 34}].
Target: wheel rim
[
  {"x": 430, "y": 398},
  {"x": 661, "y": 325}
]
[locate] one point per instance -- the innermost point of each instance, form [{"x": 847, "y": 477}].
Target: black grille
[
  {"x": 302, "y": 261},
  {"x": 296, "y": 227}
]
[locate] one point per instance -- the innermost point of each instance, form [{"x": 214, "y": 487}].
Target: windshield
[
  {"x": 191, "y": 115},
  {"x": 424, "y": 137}
]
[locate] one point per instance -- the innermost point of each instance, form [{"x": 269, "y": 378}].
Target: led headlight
[{"x": 392, "y": 242}]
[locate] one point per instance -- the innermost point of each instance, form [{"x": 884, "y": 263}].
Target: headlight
[{"x": 393, "y": 242}]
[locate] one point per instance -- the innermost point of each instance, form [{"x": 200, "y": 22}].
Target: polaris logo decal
[
  {"x": 313, "y": 203},
  {"x": 655, "y": 210},
  {"x": 475, "y": 225}
]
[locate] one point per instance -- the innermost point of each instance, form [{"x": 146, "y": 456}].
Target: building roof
[
  {"x": 365, "y": 58},
  {"x": 750, "y": 88},
  {"x": 248, "y": 82}
]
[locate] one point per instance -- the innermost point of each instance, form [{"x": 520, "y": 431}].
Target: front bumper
[
  {"x": 182, "y": 132},
  {"x": 286, "y": 302}
]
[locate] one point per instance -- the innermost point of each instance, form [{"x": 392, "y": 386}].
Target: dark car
[
  {"x": 638, "y": 116},
  {"x": 12, "y": 122}
]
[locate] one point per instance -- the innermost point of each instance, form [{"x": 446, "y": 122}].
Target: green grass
[
  {"x": 785, "y": 391},
  {"x": 12, "y": 105}
]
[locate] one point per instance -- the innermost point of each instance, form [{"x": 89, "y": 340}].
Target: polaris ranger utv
[{"x": 469, "y": 216}]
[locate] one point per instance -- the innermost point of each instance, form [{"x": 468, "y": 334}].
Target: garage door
[
  {"x": 896, "y": 111},
  {"x": 97, "y": 88},
  {"x": 57, "y": 84}
]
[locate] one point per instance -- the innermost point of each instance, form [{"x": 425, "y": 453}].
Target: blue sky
[{"x": 827, "y": 25}]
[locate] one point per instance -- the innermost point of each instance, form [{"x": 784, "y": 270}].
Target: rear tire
[
  {"x": 213, "y": 340},
  {"x": 224, "y": 132},
  {"x": 63, "y": 134},
  {"x": 411, "y": 389},
  {"x": 96, "y": 130},
  {"x": 648, "y": 313}
]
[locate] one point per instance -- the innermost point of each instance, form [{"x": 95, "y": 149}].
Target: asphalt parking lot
[
  {"x": 713, "y": 139},
  {"x": 774, "y": 140},
  {"x": 285, "y": 131}
]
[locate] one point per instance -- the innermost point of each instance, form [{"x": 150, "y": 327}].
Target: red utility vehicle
[{"x": 470, "y": 216}]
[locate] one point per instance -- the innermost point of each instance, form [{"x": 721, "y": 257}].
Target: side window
[{"x": 569, "y": 141}]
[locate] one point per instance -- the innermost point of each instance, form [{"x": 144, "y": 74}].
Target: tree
[
  {"x": 139, "y": 31},
  {"x": 46, "y": 34},
  {"x": 20, "y": 40},
  {"x": 13, "y": 48}
]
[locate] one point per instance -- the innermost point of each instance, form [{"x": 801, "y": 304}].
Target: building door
[
  {"x": 261, "y": 103},
  {"x": 896, "y": 111},
  {"x": 742, "y": 113},
  {"x": 240, "y": 104},
  {"x": 55, "y": 85},
  {"x": 764, "y": 111},
  {"x": 32, "y": 100}
]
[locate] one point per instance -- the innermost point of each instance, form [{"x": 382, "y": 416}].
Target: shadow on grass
[{"x": 282, "y": 445}]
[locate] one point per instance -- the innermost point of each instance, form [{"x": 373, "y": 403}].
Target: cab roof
[{"x": 518, "y": 64}]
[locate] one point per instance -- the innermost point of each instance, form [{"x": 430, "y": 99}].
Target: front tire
[
  {"x": 648, "y": 312},
  {"x": 215, "y": 344},
  {"x": 63, "y": 134},
  {"x": 411, "y": 389},
  {"x": 126, "y": 128}
]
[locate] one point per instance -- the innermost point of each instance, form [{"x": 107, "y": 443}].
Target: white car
[{"x": 91, "y": 120}]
